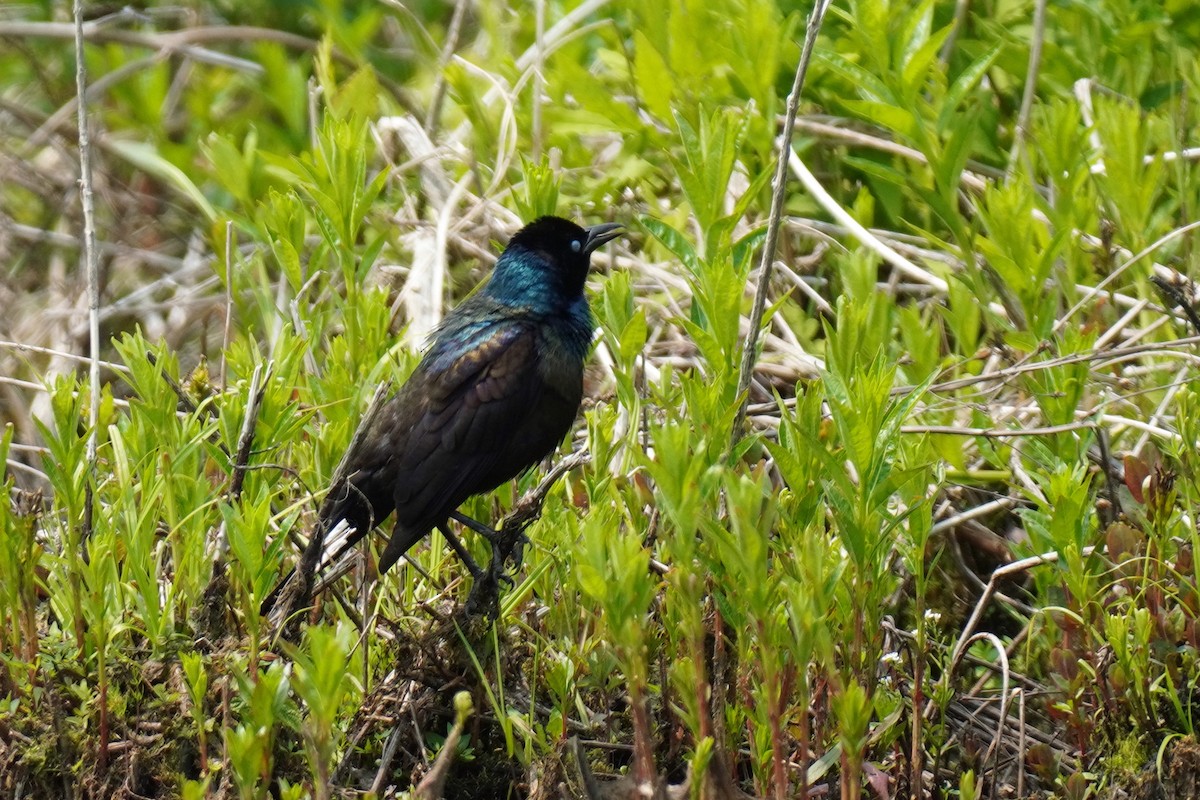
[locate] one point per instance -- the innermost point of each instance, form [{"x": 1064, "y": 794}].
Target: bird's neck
[
  {"x": 529, "y": 278},
  {"x": 528, "y": 290},
  {"x": 566, "y": 323},
  {"x": 575, "y": 328}
]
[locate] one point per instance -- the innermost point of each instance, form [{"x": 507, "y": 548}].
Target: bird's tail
[
  {"x": 343, "y": 502},
  {"x": 326, "y": 559}
]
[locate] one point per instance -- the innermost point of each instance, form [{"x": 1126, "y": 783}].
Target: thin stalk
[
  {"x": 1021, "y": 131},
  {"x": 91, "y": 269},
  {"x": 916, "y": 754},
  {"x": 228, "y": 328},
  {"x": 805, "y": 733},
  {"x": 767, "y": 259},
  {"x": 102, "y": 692},
  {"x": 90, "y": 260},
  {"x": 439, "y": 88},
  {"x": 643, "y": 747},
  {"x": 773, "y": 681},
  {"x": 539, "y": 80}
]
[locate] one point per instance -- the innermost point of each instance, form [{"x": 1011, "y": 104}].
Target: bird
[{"x": 496, "y": 391}]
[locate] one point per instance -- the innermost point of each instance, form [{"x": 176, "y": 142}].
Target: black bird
[{"x": 496, "y": 391}]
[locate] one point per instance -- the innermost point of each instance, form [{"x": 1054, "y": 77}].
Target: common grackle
[{"x": 496, "y": 391}]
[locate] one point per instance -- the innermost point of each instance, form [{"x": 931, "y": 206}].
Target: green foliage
[
  {"x": 249, "y": 745},
  {"x": 540, "y": 195},
  {"x": 323, "y": 682}
]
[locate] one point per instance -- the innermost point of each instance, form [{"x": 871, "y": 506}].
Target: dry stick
[
  {"x": 997, "y": 433},
  {"x": 978, "y": 183},
  {"x": 1035, "y": 60},
  {"x": 177, "y": 41},
  {"x": 1001, "y": 504},
  {"x": 1083, "y": 93},
  {"x": 241, "y": 459},
  {"x": 186, "y": 43},
  {"x": 228, "y": 301},
  {"x": 258, "y": 388},
  {"x": 41, "y": 387},
  {"x": 831, "y": 206},
  {"x": 439, "y": 88},
  {"x": 767, "y": 259},
  {"x": 591, "y": 787},
  {"x": 92, "y": 267},
  {"x": 1129, "y": 262},
  {"x": 385, "y": 762},
  {"x": 539, "y": 80},
  {"x": 30, "y": 233},
  {"x": 1005, "y": 694},
  {"x": 967, "y": 636},
  {"x": 992, "y": 753},
  {"x": 970, "y": 179},
  {"x": 50, "y": 351},
  {"x": 1061, "y": 361},
  {"x": 91, "y": 264},
  {"x": 1021, "y": 745},
  {"x": 765, "y": 267},
  {"x": 1168, "y": 402}
]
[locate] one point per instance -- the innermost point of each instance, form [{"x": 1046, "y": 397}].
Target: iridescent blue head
[{"x": 546, "y": 263}]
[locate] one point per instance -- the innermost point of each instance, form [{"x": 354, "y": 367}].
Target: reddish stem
[{"x": 643, "y": 750}]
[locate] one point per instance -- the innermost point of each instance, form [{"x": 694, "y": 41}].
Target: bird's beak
[{"x": 600, "y": 234}]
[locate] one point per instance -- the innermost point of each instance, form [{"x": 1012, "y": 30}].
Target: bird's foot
[
  {"x": 485, "y": 593},
  {"x": 509, "y": 542},
  {"x": 484, "y": 599},
  {"x": 511, "y": 547}
]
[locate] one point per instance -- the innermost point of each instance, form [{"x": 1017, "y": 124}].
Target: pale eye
[{"x": 576, "y": 246}]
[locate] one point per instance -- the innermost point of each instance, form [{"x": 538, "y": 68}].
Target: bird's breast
[
  {"x": 562, "y": 375},
  {"x": 561, "y": 351}
]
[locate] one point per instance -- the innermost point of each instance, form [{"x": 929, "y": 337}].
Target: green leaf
[
  {"x": 900, "y": 121},
  {"x": 653, "y": 77},
  {"x": 866, "y": 82},
  {"x": 633, "y": 338},
  {"x": 915, "y": 35},
  {"x": 674, "y": 241},
  {"x": 964, "y": 84},
  {"x": 143, "y": 156}
]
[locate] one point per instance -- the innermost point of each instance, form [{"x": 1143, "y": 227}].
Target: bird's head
[{"x": 547, "y": 261}]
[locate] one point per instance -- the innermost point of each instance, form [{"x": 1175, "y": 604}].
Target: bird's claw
[
  {"x": 496, "y": 569},
  {"x": 508, "y": 544},
  {"x": 505, "y": 578},
  {"x": 485, "y": 594},
  {"x": 517, "y": 549}
]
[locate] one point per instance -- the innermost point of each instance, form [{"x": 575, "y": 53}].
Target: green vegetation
[{"x": 952, "y": 553}]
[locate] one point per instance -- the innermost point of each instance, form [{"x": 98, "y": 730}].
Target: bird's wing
[{"x": 473, "y": 405}]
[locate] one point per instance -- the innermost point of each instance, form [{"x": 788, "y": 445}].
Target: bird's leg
[
  {"x": 502, "y": 548},
  {"x": 491, "y": 534},
  {"x": 476, "y": 572},
  {"x": 485, "y": 594},
  {"x": 506, "y": 544}
]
